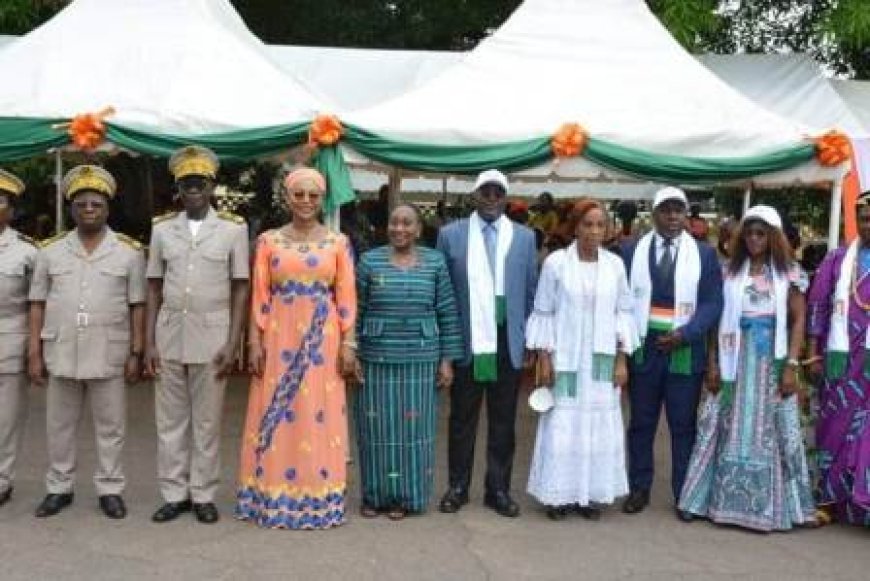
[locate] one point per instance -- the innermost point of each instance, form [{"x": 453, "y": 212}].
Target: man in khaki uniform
[
  {"x": 87, "y": 326},
  {"x": 197, "y": 299},
  {"x": 17, "y": 256}
]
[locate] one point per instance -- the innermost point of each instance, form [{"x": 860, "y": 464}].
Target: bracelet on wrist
[{"x": 792, "y": 362}]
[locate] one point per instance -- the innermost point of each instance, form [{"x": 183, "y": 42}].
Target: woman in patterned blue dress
[{"x": 748, "y": 467}]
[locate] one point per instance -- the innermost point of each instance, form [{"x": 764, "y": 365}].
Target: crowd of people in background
[{"x": 363, "y": 329}]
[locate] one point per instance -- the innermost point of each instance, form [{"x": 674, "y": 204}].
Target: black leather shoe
[
  {"x": 5, "y": 496},
  {"x": 503, "y": 504},
  {"x": 588, "y": 512},
  {"x": 171, "y": 511},
  {"x": 113, "y": 506},
  {"x": 53, "y": 504},
  {"x": 455, "y": 498},
  {"x": 206, "y": 512},
  {"x": 557, "y": 513},
  {"x": 685, "y": 515},
  {"x": 636, "y": 502}
]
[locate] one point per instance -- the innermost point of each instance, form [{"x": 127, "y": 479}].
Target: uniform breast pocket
[
  {"x": 115, "y": 277},
  {"x": 61, "y": 276},
  {"x": 215, "y": 263},
  {"x": 12, "y": 279}
]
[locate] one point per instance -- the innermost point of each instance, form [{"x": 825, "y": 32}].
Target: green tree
[{"x": 22, "y": 16}]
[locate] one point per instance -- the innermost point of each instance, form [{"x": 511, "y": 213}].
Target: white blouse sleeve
[
  {"x": 541, "y": 326},
  {"x": 627, "y": 337}
]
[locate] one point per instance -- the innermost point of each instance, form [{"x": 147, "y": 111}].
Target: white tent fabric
[
  {"x": 180, "y": 66},
  {"x": 358, "y": 78},
  {"x": 793, "y": 86},
  {"x": 857, "y": 96},
  {"x": 558, "y": 61}
]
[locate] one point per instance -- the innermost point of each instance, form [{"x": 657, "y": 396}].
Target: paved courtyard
[{"x": 475, "y": 544}]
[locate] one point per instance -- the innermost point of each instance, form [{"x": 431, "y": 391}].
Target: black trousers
[{"x": 466, "y": 397}]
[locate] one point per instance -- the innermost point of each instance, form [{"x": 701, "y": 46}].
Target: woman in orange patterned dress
[{"x": 294, "y": 447}]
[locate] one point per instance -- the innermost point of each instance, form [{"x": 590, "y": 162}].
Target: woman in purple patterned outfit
[{"x": 839, "y": 331}]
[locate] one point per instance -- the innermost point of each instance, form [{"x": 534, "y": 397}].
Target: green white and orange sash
[
  {"x": 486, "y": 295},
  {"x": 837, "y": 356},
  {"x": 686, "y": 278}
]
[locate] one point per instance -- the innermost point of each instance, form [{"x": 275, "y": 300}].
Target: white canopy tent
[
  {"x": 180, "y": 66},
  {"x": 793, "y": 86},
  {"x": 557, "y": 61},
  {"x": 856, "y": 94}
]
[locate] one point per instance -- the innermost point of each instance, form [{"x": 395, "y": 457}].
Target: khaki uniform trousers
[
  {"x": 63, "y": 414},
  {"x": 189, "y": 402},
  {"x": 13, "y": 413}
]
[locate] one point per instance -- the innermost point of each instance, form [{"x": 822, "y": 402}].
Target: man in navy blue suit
[
  {"x": 494, "y": 270},
  {"x": 676, "y": 285}
]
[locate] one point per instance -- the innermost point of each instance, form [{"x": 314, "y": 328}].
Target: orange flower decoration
[
  {"x": 569, "y": 140},
  {"x": 833, "y": 148},
  {"x": 325, "y": 130},
  {"x": 88, "y": 130}
]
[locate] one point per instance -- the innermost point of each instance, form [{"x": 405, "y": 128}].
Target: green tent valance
[{"x": 22, "y": 138}]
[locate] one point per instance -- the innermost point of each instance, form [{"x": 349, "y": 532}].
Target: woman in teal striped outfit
[{"x": 409, "y": 335}]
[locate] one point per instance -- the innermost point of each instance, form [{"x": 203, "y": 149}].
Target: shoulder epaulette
[
  {"x": 229, "y": 216},
  {"x": 163, "y": 217},
  {"x": 26, "y": 239},
  {"x": 49, "y": 241},
  {"x": 129, "y": 241}
]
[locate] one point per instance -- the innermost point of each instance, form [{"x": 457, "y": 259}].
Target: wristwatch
[{"x": 792, "y": 362}]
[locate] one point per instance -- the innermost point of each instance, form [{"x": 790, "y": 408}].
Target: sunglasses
[
  {"x": 189, "y": 183},
  {"x": 755, "y": 233},
  {"x": 302, "y": 195}
]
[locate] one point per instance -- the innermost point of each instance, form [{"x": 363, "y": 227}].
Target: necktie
[
  {"x": 666, "y": 262},
  {"x": 489, "y": 240}
]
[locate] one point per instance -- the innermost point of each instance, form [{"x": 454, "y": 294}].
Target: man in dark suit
[
  {"x": 493, "y": 268},
  {"x": 676, "y": 285}
]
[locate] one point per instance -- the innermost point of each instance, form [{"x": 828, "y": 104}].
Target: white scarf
[
  {"x": 687, "y": 276},
  {"x": 568, "y": 317},
  {"x": 838, "y": 338},
  {"x": 729, "y": 326},
  {"x": 483, "y": 290}
]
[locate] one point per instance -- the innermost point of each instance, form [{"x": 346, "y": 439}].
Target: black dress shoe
[
  {"x": 171, "y": 511},
  {"x": 53, "y": 504},
  {"x": 455, "y": 498},
  {"x": 503, "y": 504},
  {"x": 588, "y": 512},
  {"x": 685, "y": 515},
  {"x": 5, "y": 496},
  {"x": 206, "y": 512},
  {"x": 557, "y": 513},
  {"x": 113, "y": 506},
  {"x": 636, "y": 502}
]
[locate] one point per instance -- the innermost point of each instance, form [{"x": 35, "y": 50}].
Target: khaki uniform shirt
[
  {"x": 17, "y": 258},
  {"x": 194, "y": 319},
  {"x": 86, "y": 332}
]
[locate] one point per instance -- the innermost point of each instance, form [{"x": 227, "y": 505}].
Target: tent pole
[
  {"x": 747, "y": 198},
  {"x": 836, "y": 210},
  {"x": 58, "y": 178},
  {"x": 395, "y": 187}
]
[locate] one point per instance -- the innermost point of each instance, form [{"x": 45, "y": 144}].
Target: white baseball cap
[
  {"x": 766, "y": 214},
  {"x": 670, "y": 193},
  {"x": 491, "y": 176}
]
